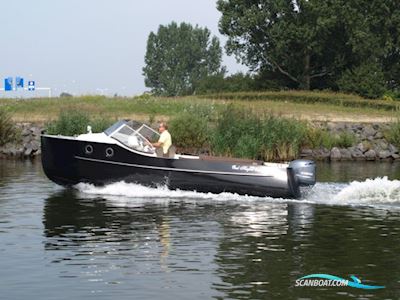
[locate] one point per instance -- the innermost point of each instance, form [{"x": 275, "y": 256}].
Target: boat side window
[{"x": 132, "y": 139}]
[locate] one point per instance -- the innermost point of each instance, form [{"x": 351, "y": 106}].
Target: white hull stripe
[{"x": 170, "y": 169}]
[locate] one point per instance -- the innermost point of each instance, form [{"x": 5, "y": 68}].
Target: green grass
[
  {"x": 142, "y": 108},
  {"x": 303, "y": 105},
  {"x": 317, "y": 137},
  {"x": 393, "y": 133},
  {"x": 8, "y": 131},
  {"x": 307, "y": 97},
  {"x": 243, "y": 133}
]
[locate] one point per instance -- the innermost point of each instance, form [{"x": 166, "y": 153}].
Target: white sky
[{"x": 87, "y": 46}]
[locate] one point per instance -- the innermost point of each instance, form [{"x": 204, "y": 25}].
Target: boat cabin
[{"x": 137, "y": 136}]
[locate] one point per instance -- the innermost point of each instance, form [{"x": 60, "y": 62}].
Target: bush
[
  {"x": 248, "y": 146},
  {"x": 345, "y": 140},
  {"x": 242, "y": 133},
  {"x": 99, "y": 124},
  {"x": 190, "y": 131},
  {"x": 282, "y": 138},
  {"x": 317, "y": 138},
  {"x": 393, "y": 134},
  {"x": 8, "y": 131},
  {"x": 392, "y": 95},
  {"x": 72, "y": 122},
  {"x": 218, "y": 83},
  {"x": 366, "y": 80},
  {"x": 233, "y": 128}
]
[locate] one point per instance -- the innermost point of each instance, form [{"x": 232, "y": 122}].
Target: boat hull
[{"x": 68, "y": 161}]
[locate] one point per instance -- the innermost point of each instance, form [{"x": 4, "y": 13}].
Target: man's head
[{"x": 162, "y": 127}]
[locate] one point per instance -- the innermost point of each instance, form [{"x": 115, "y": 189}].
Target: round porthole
[
  {"x": 89, "y": 149},
  {"x": 109, "y": 152}
]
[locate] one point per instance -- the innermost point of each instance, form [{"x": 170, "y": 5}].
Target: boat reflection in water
[
  {"x": 205, "y": 248},
  {"x": 91, "y": 227},
  {"x": 110, "y": 241}
]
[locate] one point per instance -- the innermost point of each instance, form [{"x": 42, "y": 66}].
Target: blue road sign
[
  {"x": 31, "y": 85},
  {"x": 8, "y": 84},
  {"x": 19, "y": 82}
]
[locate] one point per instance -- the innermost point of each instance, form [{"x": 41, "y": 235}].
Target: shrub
[
  {"x": 366, "y": 80},
  {"x": 8, "y": 131},
  {"x": 69, "y": 123},
  {"x": 218, "y": 83},
  {"x": 190, "y": 131},
  {"x": 99, "y": 124},
  {"x": 282, "y": 138},
  {"x": 392, "y": 95},
  {"x": 72, "y": 122},
  {"x": 211, "y": 84},
  {"x": 231, "y": 125},
  {"x": 345, "y": 139},
  {"x": 242, "y": 133},
  {"x": 247, "y": 146},
  {"x": 317, "y": 138},
  {"x": 393, "y": 133}
]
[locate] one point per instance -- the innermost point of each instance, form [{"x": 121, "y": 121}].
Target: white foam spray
[
  {"x": 371, "y": 192},
  {"x": 131, "y": 193}
]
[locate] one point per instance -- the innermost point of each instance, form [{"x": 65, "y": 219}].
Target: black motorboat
[{"x": 123, "y": 153}]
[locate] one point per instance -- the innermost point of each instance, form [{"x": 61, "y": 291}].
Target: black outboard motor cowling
[{"x": 304, "y": 170}]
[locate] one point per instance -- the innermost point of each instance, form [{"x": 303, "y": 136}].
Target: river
[{"x": 125, "y": 241}]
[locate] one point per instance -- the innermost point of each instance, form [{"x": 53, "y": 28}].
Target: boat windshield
[{"x": 139, "y": 139}]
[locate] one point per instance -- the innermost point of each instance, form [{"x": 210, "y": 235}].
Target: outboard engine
[{"x": 304, "y": 170}]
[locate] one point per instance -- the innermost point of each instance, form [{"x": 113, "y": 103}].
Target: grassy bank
[
  {"x": 231, "y": 131},
  {"x": 266, "y": 126},
  {"x": 309, "y": 97},
  {"x": 301, "y": 105},
  {"x": 240, "y": 128}
]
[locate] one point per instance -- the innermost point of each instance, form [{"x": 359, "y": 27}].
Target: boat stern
[
  {"x": 304, "y": 170},
  {"x": 301, "y": 173}
]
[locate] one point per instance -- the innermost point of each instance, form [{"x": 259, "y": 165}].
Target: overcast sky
[{"x": 91, "y": 46}]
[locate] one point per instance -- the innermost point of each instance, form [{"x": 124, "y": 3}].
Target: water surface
[{"x": 125, "y": 241}]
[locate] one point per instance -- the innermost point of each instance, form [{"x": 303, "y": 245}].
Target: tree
[
  {"x": 312, "y": 42},
  {"x": 178, "y": 57},
  {"x": 238, "y": 82},
  {"x": 367, "y": 80}
]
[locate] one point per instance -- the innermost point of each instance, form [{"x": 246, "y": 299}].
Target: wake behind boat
[{"x": 123, "y": 152}]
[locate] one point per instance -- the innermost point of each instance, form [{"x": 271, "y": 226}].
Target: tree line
[{"x": 340, "y": 45}]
